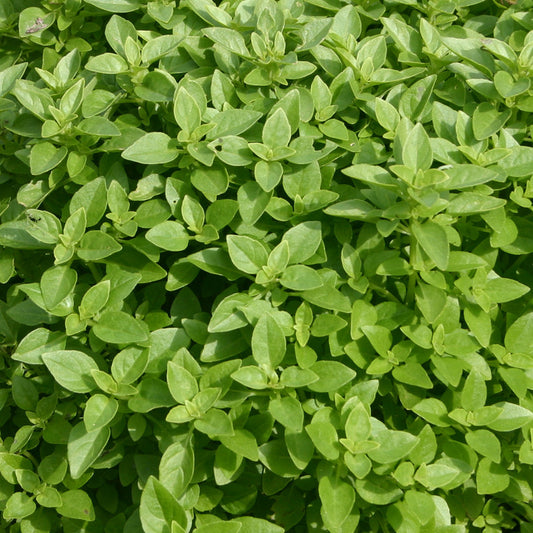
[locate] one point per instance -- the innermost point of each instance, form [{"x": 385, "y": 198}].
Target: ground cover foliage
[{"x": 266, "y": 266}]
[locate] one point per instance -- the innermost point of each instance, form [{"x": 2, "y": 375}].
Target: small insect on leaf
[{"x": 37, "y": 26}]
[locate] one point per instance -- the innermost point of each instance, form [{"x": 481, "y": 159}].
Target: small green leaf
[
  {"x": 485, "y": 443},
  {"x": 434, "y": 241},
  {"x": 181, "y": 383},
  {"x": 99, "y": 412},
  {"x": 288, "y": 412},
  {"x": 519, "y": 336},
  {"x": 94, "y": 299},
  {"x": 332, "y": 375},
  {"x": 491, "y": 477},
  {"x": 76, "y": 504},
  {"x": 107, "y": 64},
  {"x": 247, "y": 254},
  {"x": 159, "y": 508},
  {"x": 84, "y": 447},
  {"x": 169, "y": 235},
  {"x": 45, "y": 156},
  {"x": 277, "y": 130},
  {"x": 300, "y": 278},
  {"x": 215, "y": 422},
  {"x": 57, "y": 283},
  {"x": 151, "y": 149},
  {"x": 417, "y": 153},
  {"x": 487, "y": 120},
  {"x": 268, "y": 342},
  {"x": 18, "y": 506},
  {"x": 176, "y": 467},
  {"x": 357, "y": 425},
  {"x": 118, "y": 327},
  {"x": 337, "y": 498},
  {"x": 71, "y": 369},
  {"x": 96, "y": 245},
  {"x": 186, "y": 111}
]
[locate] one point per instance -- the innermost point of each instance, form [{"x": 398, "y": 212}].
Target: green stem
[
  {"x": 34, "y": 461},
  {"x": 94, "y": 271},
  {"x": 384, "y": 291},
  {"x": 411, "y": 285}
]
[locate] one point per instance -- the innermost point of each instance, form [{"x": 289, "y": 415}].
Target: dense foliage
[{"x": 265, "y": 266}]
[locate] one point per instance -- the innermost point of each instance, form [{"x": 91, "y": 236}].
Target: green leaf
[
  {"x": 152, "y": 393},
  {"x": 129, "y": 364},
  {"x": 186, "y": 111},
  {"x": 251, "y": 376},
  {"x": 99, "y": 126},
  {"x": 242, "y": 443},
  {"x": 151, "y": 149},
  {"x": 304, "y": 240},
  {"x": 485, "y": 443},
  {"x": 71, "y": 369},
  {"x": 118, "y": 327},
  {"x": 57, "y": 283},
  {"x": 159, "y": 508},
  {"x": 434, "y": 241},
  {"x": 107, "y": 64},
  {"x": 421, "y": 504},
  {"x": 116, "y": 6},
  {"x": 268, "y": 342},
  {"x": 293, "y": 376},
  {"x": 300, "y": 278},
  {"x": 511, "y": 417},
  {"x": 36, "y": 343},
  {"x": 247, "y": 254},
  {"x": 464, "y": 176},
  {"x": 337, "y": 498},
  {"x": 417, "y": 153},
  {"x": 378, "y": 490},
  {"x": 45, "y": 156},
  {"x": 288, "y": 412},
  {"x": 518, "y": 163},
  {"x": 412, "y": 374},
  {"x": 277, "y": 130},
  {"x": 96, "y": 245},
  {"x": 250, "y": 524},
  {"x": 491, "y": 477},
  {"x": 181, "y": 383},
  {"x": 519, "y": 336},
  {"x": 94, "y": 299},
  {"x": 487, "y": 120},
  {"x": 9, "y": 75},
  {"x": 18, "y": 506},
  {"x": 231, "y": 40},
  {"x": 159, "y": 47},
  {"x": 92, "y": 197},
  {"x": 85, "y": 447},
  {"x": 99, "y": 412},
  {"x": 169, "y": 235},
  {"x": 357, "y": 425},
  {"x": 501, "y": 290},
  {"x": 332, "y": 375},
  {"x": 215, "y": 422},
  {"x": 253, "y": 202},
  {"x": 76, "y": 504},
  {"x": 274, "y": 455},
  {"x": 380, "y": 338},
  {"x": 176, "y": 468},
  {"x": 470, "y": 203},
  {"x": 432, "y": 410},
  {"x": 393, "y": 445}
]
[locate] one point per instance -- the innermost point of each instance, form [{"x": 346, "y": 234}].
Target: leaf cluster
[{"x": 265, "y": 266}]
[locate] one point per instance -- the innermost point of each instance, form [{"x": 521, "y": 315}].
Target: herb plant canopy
[{"x": 265, "y": 266}]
